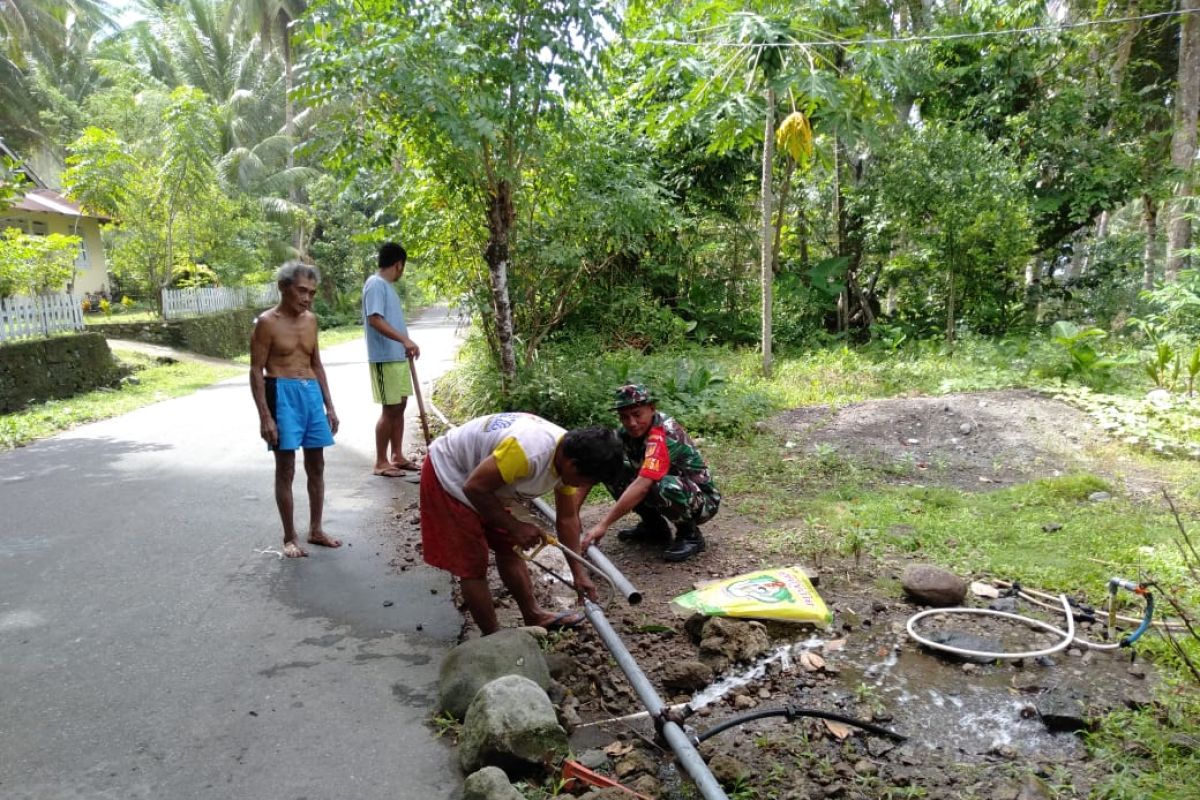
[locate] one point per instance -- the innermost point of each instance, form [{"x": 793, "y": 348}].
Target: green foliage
[
  {"x": 34, "y": 265},
  {"x": 12, "y": 182},
  {"x": 957, "y": 204},
  {"x": 1083, "y": 361},
  {"x": 1150, "y": 753},
  {"x": 573, "y": 385},
  {"x": 1175, "y": 307}
]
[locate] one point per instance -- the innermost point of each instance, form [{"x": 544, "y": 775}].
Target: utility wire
[{"x": 940, "y": 37}]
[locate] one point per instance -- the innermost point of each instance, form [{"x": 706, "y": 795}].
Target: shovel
[{"x": 412, "y": 368}]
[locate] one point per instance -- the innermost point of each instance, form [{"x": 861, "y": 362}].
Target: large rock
[
  {"x": 511, "y": 724},
  {"x": 728, "y": 771},
  {"x": 686, "y": 676},
  {"x": 733, "y": 639},
  {"x": 965, "y": 641},
  {"x": 933, "y": 586},
  {"x": 490, "y": 783},
  {"x": 1062, "y": 710},
  {"x": 472, "y": 664}
]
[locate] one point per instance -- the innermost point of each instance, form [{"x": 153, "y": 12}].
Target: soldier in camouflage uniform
[{"x": 664, "y": 478}]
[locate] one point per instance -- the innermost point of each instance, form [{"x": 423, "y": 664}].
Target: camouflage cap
[{"x": 631, "y": 394}]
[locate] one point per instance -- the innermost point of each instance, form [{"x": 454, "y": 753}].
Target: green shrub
[{"x": 573, "y": 384}]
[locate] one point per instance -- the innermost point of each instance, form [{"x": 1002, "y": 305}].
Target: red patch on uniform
[{"x": 657, "y": 460}]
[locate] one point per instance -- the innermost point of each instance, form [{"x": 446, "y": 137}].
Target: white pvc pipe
[{"x": 1068, "y": 635}]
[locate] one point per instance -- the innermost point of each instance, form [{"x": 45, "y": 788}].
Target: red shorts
[{"x": 453, "y": 535}]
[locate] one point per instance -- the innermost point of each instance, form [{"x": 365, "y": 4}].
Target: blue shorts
[{"x": 299, "y": 412}]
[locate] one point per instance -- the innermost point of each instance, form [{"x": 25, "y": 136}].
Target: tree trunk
[
  {"x": 839, "y": 224},
  {"x": 767, "y": 272},
  {"x": 1183, "y": 140},
  {"x": 777, "y": 233},
  {"x": 289, "y": 126},
  {"x": 1150, "y": 223},
  {"x": 1033, "y": 291},
  {"x": 500, "y": 219}
]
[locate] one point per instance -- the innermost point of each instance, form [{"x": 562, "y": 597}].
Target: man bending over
[{"x": 471, "y": 477}]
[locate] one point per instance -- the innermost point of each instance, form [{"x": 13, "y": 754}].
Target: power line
[{"x": 943, "y": 37}]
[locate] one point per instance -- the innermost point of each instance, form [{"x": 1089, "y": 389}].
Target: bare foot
[
  {"x": 293, "y": 550},
  {"x": 319, "y": 537}
]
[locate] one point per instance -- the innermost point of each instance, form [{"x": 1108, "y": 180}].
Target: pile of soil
[{"x": 1001, "y": 730}]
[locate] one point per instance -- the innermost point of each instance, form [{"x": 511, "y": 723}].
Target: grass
[
  {"x": 121, "y": 316},
  {"x": 154, "y": 382}
]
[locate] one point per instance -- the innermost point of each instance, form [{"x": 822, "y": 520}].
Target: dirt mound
[{"x": 974, "y": 442}]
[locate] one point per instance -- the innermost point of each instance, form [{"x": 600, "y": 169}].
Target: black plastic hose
[{"x": 792, "y": 712}]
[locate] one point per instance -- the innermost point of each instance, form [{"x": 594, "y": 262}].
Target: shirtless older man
[{"x": 295, "y": 410}]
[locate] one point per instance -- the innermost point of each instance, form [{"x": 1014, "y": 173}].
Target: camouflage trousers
[{"x": 675, "y": 497}]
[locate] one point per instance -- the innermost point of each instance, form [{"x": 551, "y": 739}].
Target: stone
[
  {"x": 742, "y": 702},
  {"x": 568, "y": 713},
  {"x": 561, "y": 665},
  {"x": 489, "y": 783},
  {"x": 734, "y": 639},
  {"x": 933, "y": 586},
  {"x": 1028, "y": 682},
  {"x": 687, "y": 676},
  {"x": 1051, "y": 527},
  {"x": 593, "y": 759},
  {"x": 511, "y": 724},
  {"x": 965, "y": 641},
  {"x": 728, "y": 770},
  {"x": 1005, "y": 604},
  {"x": 635, "y": 762},
  {"x": 878, "y": 746},
  {"x": 1062, "y": 710},
  {"x": 1034, "y": 788},
  {"x": 1099, "y": 497},
  {"x": 472, "y": 664},
  {"x": 1136, "y": 697},
  {"x": 1006, "y": 790},
  {"x": 647, "y": 786},
  {"x": 864, "y": 768}
]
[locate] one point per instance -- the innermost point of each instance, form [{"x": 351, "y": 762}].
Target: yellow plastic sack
[{"x": 783, "y": 593}]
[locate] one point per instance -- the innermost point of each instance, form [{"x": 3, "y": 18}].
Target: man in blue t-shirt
[{"x": 388, "y": 351}]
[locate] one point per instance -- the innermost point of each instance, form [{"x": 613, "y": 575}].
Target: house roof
[{"x": 49, "y": 201}]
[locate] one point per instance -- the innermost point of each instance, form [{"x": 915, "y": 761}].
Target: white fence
[
  {"x": 32, "y": 317},
  {"x": 196, "y": 302}
]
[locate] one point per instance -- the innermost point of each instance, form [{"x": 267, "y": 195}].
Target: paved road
[{"x": 152, "y": 647}]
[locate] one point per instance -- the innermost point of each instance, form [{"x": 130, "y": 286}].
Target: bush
[{"x": 572, "y": 385}]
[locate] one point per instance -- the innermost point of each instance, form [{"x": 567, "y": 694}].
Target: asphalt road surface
[{"x": 154, "y": 645}]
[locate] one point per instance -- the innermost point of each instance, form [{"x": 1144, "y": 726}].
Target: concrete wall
[
  {"x": 62, "y": 366},
  {"x": 223, "y": 335}
]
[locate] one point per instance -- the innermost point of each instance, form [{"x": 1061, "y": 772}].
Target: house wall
[{"x": 91, "y": 272}]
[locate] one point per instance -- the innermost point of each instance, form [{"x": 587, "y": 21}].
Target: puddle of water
[{"x": 939, "y": 707}]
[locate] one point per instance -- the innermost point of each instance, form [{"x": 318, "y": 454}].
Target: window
[{"x": 34, "y": 227}]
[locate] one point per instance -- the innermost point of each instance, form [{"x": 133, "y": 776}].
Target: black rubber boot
[
  {"x": 650, "y": 527},
  {"x": 688, "y": 542}
]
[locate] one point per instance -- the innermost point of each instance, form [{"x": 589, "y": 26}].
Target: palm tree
[
  {"x": 45, "y": 33},
  {"x": 273, "y": 19}
]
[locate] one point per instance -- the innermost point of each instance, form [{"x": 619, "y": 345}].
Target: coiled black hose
[{"x": 792, "y": 713}]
